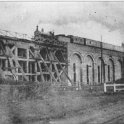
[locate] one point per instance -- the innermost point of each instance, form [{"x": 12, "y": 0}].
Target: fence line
[{"x": 117, "y": 87}]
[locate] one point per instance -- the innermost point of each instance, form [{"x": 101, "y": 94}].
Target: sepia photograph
[{"x": 61, "y": 62}]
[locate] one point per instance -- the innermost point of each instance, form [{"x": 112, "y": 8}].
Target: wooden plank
[
  {"x": 12, "y": 68},
  {"x": 9, "y": 59},
  {"x": 17, "y": 63},
  {"x": 114, "y": 86},
  {"x": 23, "y": 73},
  {"x": 49, "y": 69},
  {"x": 41, "y": 72},
  {"x": 13, "y": 48},
  {"x": 119, "y": 84},
  {"x": 109, "y": 85},
  {"x": 63, "y": 69},
  {"x": 120, "y": 89},
  {"x": 105, "y": 89},
  {"x": 38, "y": 62},
  {"x": 56, "y": 69}
]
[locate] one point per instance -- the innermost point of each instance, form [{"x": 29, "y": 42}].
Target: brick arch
[
  {"x": 89, "y": 55},
  {"x": 111, "y": 59},
  {"x": 111, "y": 72},
  {"x": 103, "y": 58},
  {"x": 76, "y": 67},
  {"x": 118, "y": 69},
  {"x": 100, "y": 69},
  {"x": 120, "y": 61},
  {"x": 79, "y": 55},
  {"x": 89, "y": 68},
  {"x": 117, "y": 60}
]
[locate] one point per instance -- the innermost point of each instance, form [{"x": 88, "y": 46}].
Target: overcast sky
[{"x": 84, "y": 19}]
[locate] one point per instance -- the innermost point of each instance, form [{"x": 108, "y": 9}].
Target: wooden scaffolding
[{"x": 43, "y": 59}]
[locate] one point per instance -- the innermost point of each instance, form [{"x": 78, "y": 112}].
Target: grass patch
[{"x": 49, "y": 104}]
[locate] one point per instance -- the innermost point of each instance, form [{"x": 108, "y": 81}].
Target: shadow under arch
[
  {"x": 118, "y": 69},
  {"x": 76, "y": 63},
  {"x": 101, "y": 70},
  {"x": 111, "y": 70},
  {"x": 90, "y": 76}
]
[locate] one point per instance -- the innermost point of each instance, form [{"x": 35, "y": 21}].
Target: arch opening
[
  {"x": 101, "y": 70},
  {"x": 118, "y": 70},
  {"x": 77, "y": 68},
  {"x": 111, "y": 70},
  {"x": 89, "y": 70}
]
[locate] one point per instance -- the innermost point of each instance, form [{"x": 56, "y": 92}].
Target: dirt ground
[
  {"x": 96, "y": 115},
  {"x": 107, "y": 108},
  {"x": 66, "y": 107}
]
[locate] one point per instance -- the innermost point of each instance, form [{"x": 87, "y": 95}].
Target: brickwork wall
[{"x": 89, "y": 59}]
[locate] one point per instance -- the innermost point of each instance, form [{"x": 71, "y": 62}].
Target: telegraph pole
[{"x": 101, "y": 58}]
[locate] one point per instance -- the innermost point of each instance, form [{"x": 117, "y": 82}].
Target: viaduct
[{"x": 60, "y": 59}]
